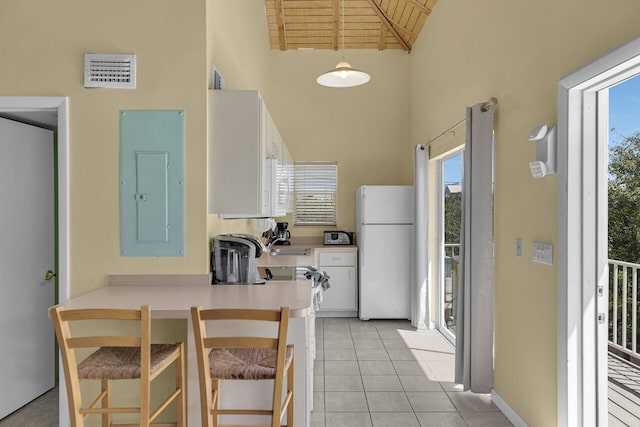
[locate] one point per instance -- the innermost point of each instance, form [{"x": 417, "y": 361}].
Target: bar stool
[
  {"x": 116, "y": 358},
  {"x": 243, "y": 358}
]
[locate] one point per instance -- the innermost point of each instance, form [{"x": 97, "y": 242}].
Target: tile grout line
[{"x": 403, "y": 387}]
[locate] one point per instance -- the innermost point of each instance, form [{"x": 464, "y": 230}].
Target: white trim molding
[
  {"x": 582, "y": 228},
  {"x": 507, "y": 410}
]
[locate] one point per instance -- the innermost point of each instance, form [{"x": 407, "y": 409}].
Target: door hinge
[{"x": 601, "y": 318}]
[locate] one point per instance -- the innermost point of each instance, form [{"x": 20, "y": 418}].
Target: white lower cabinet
[{"x": 341, "y": 299}]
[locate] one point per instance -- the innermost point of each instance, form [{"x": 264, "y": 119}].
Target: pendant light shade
[{"x": 343, "y": 76}]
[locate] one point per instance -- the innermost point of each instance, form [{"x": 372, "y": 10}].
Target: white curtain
[
  {"x": 420, "y": 301},
  {"x": 474, "y": 333}
]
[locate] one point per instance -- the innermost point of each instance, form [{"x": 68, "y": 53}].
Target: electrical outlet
[
  {"x": 542, "y": 253},
  {"x": 518, "y": 247}
]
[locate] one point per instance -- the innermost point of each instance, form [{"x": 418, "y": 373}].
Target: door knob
[{"x": 49, "y": 275}]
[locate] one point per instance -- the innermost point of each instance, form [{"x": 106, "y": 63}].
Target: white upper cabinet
[{"x": 245, "y": 157}]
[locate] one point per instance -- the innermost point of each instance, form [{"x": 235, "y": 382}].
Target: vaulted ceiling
[{"x": 367, "y": 24}]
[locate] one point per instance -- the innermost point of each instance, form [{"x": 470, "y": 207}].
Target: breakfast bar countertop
[
  {"x": 167, "y": 300},
  {"x": 172, "y": 296}
]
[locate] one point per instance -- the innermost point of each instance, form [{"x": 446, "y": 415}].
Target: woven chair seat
[
  {"x": 119, "y": 363},
  {"x": 246, "y": 363}
]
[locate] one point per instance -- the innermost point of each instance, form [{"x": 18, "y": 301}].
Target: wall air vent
[{"x": 110, "y": 71}]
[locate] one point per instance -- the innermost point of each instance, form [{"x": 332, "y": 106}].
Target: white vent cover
[{"x": 110, "y": 71}]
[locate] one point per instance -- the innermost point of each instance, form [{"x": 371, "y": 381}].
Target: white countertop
[
  {"x": 175, "y": 301},
  {"x": 266, "y": 259}
]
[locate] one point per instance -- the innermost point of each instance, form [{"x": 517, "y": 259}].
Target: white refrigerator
[{"x": 385, "y": 232}]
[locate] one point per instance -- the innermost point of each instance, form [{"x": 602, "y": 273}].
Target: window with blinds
[{"x": 315, "y": 186}]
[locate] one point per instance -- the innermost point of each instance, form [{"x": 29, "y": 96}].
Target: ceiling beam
[
  {"x": 336, "y": 24},
  {"x": 282, "y": 37},
  {"x": 387, "y": 22},
  {"x": 422, "y": 7},
  {"x": 383, "y": 37}
]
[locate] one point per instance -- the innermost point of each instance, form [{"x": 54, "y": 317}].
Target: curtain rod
[{"x": 484, "y": 109}]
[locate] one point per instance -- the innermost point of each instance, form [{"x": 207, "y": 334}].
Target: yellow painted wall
[
  {"x": 43, "y": 45},
  {"x": 467, "y": 52},
  {"x": 365, "y": 128},
  {"x": 237, "y": 46},
  {"x": 517, "y": 51}
]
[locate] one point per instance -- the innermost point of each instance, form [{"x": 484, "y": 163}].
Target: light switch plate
[
  {"x": 542, "y": 253},
  {"x": 518, "y": 247}
]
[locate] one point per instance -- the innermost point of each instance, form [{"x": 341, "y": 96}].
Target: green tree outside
[
  {"x": 624, "y": 227},
  {"x": 452, "y": 217},
  {"x": 624, "y": 200}
]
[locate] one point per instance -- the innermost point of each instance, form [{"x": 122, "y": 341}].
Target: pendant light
[{"x": 343, "y": 75}]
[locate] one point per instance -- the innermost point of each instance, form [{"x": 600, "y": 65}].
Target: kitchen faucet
[{"x": 272, "y": 241}]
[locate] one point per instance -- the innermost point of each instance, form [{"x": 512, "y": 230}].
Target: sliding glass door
[{"x": 448, "y": 240}]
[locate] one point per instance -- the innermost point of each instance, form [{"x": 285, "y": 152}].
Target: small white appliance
[
  {"x": 384, "y": 231},
  {"x": 335, "y": 237}
]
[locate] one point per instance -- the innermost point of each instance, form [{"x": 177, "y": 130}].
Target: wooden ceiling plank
[
  {"x": 413, "y": 24},
  {"x": 385, "y": 20},
  {"x": 402, "y": 28},
  {"x": 308, "y": 12},
  {"x": 306, "y": 4},
  {"x": 367, "y": 24},
  {"x": 405, "y": 14},
  {"x": 301, "y": 26},
  {"x": 282, "y": 35},
  {"x": 293, "y": 35},
  {"x": 391, "y": 10}
]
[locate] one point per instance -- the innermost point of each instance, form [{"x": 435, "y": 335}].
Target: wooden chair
[
  {"x": 117, "y": 357},
  {"x": 243, "y": 358}
]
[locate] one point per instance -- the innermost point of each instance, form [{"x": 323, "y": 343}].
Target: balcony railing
[
  {"x": 623, "y": 307},
  {"x": 452, "y": 249}
]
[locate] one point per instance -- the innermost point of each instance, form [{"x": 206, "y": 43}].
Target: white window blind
[{"x": 315, "y": 186}]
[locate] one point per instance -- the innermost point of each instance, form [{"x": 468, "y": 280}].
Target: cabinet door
[
  {"x": 236, "y": 153},
  {"x": 273, "y": 143},
  {"x": 342, "y": 295}
]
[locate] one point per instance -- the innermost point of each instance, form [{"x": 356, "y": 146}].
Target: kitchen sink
[
  {"x": 284, "y": 272},
  {"x": 290, "y": 251}
]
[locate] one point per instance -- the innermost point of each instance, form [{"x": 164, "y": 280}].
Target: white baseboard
[{"x": 507, "y": 410}]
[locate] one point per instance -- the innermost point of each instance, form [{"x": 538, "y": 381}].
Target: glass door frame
[
  {"x": 441, "y": 323},
  {"x": 582, "y": 235}
]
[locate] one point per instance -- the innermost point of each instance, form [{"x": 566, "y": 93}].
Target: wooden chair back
[
  {"x": 69, "y": 343},
  {"x": 205, "y": 343}
]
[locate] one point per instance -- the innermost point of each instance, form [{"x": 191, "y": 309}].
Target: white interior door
[{"x": 27, "y": 251}]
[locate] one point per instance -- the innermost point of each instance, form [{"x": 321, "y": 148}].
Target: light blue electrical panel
[{"x": 152, "y": 193}]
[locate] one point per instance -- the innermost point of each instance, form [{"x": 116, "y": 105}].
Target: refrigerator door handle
[{"x": 361, "y": 247}]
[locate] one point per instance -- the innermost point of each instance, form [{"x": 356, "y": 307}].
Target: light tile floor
[
  {"x": 374, "y": 351},
  {"x": 42, "y": 412},
  {"x": 381, "y": 373}
]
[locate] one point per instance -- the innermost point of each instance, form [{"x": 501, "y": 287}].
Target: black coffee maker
[{"x": 282, "y": 235}]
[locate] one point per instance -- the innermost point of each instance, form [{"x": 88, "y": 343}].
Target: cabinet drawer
[{"x": 337, "y": 258}]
